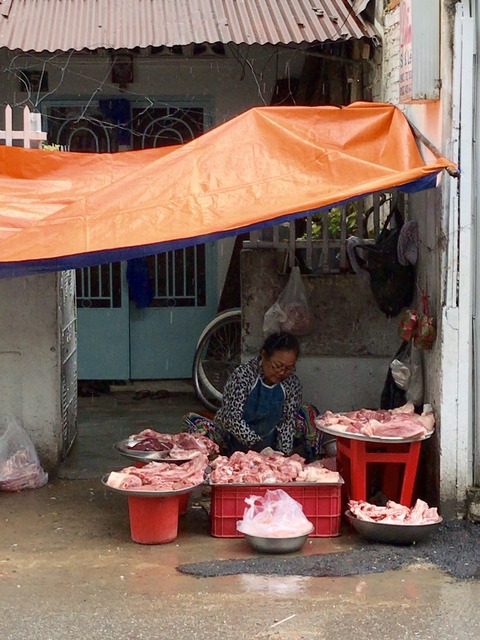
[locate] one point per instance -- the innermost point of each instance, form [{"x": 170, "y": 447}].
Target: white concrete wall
[
  {"x": 445, "y": 365},
  {"x": 342, "y": 383},
  {"x": 344, "y": 362},
  {"x": 30, "y": 361}
]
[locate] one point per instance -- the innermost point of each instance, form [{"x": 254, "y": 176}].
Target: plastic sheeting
[{"x": 67, "y": 210}]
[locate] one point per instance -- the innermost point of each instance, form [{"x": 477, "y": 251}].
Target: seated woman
[{"x": 262, "y": 406}]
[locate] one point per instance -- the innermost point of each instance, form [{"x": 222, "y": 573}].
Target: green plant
[
  {"x": 334, "y": 223},
  {"x": 51, "y": 147}
]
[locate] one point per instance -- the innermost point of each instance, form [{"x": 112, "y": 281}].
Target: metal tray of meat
[
  {"x": 392, "y": 533},
  {"x": 145, "y": 456},
  {"x": 360, "y": 436},
  {"x": 149, "y": 494}
]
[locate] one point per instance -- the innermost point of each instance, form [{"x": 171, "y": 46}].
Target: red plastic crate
[{"x": 321, "y": 503}]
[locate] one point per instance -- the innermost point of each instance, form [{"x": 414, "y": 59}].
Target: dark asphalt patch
[{"x": 454, "y": 549}]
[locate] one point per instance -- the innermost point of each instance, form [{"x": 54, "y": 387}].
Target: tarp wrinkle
[{"x": 67, "y": 210}]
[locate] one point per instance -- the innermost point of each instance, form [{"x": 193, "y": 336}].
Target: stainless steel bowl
[
  {"x": 392, "y": 533},
  {"x": 277, "y": 545},
  {"x": 330, "y": 447}
]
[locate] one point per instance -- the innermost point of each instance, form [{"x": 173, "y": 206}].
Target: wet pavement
[{"x": 69, "y": 569}]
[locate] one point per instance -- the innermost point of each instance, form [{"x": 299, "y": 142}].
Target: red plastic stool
[
  {"x": 354, "y": 456},
  {"x": 153, "y": 519}
]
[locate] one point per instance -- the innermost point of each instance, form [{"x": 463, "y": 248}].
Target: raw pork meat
[
  {"x": 180, "y": 445},
  {"x": 161, "y": 476},
  {"x": 402, "y": 422},
  {"x": 274, "y": 468},
  {"x": 394, "y": 513}
]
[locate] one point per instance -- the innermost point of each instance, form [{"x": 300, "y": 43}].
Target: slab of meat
[
  {"x": 149, "y": 444},
  {"x": 161, "y": 476},
  {"x": 21, "y": 471},
  {"x": 274, "y": 468},
  {"x": 181, "y": 446},
  {"x": 402, "y": 422},
  {"x": 393, "y": 513}
]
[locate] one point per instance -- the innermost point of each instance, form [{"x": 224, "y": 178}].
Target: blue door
[
  {"x": 102, "y": 323},
  {"x": 117, "y": 340},
  {"x": 163, "y": 336}
]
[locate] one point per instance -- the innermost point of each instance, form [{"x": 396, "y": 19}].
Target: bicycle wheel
[{"x": 217, "y": 354}]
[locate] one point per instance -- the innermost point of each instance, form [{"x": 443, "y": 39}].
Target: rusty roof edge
[{"x": 19, "y": 34}]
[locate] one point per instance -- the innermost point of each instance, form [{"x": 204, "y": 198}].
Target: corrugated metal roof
[{"x": 61, "y": 25}]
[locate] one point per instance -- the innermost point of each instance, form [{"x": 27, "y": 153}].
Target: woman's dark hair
[{"x": 280, "y": 342}]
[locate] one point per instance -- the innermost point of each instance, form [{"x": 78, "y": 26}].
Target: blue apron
[{"x": 263, "y": 411}]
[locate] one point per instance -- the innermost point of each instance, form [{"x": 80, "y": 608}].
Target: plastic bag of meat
[
  {"x": 19, "y": 464},
  {"x": 291, "y": 312},
  {"x": 274, "y": 515}
]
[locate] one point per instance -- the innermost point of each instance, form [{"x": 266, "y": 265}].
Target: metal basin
[
  {"x": 277, "y": 545},
  {"x": 330, "y": 447},
  {"x": 392, "y": 533}
]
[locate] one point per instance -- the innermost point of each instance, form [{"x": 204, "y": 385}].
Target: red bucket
[{"x": 153, "y": 520}]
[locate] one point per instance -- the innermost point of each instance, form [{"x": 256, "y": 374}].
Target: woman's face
[{"x": 279, "y": 365}]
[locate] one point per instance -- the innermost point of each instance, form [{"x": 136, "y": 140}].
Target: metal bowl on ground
[
  {"x": 392, "y": 533},
  {"x": 330, "y": 447},
  {"x": 277, "y": 545}
]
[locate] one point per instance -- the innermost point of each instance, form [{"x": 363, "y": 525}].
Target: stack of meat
[
  {"x": 394, "y": 513},
  {"x": 21, "y": 471},
  {"x": 402, "y": 422},
  {"x": 161, "y": 476},
  {"x": 270, "y": 468},
  {"x": 180, "y": 446}
]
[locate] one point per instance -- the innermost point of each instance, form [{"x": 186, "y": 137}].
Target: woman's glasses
[{"x": 279, "y": 367}]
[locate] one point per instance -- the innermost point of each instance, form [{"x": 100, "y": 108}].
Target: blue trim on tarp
[
  {"x": 81, "y": 260},
  {"x": 427, "y": 182}
]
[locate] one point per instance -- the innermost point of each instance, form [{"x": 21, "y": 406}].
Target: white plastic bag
[
  {"x": 274, "y": 515},
  {"x": 415, "y": 391},
  {"x": 292, "y": 311},
  {"x": 407, "y": 373},
  {"x": 19, "y": 464}
]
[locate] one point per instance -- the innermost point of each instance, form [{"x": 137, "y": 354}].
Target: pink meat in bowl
[
  {"x": 393, "y": 523},
  {"x": 286, "y": 544},
  {"x": 150, "y": 444}
]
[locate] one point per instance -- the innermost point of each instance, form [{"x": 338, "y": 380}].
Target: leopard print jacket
[{"x": 237, "y": 389}]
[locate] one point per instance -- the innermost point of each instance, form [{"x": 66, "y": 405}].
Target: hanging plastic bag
[
  {"x": 391, "y": 282},
  {"x": 292, "y": 311},
  {"x": 419, "y": 327},
  {"x": 407, "y": 373},
  {"x": 425, "y": 334},
  {"x": 401, "y": 373},
  {"x": 408, "y": 324},
  {"x": 392, "y": 395},
  {"x": 274, "y": 515},
  {"x": 19, "y": 464},
  {"x": 415, "y": 391}
]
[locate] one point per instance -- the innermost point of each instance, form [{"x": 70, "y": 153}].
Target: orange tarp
[{"x": 63, "y": 210}]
